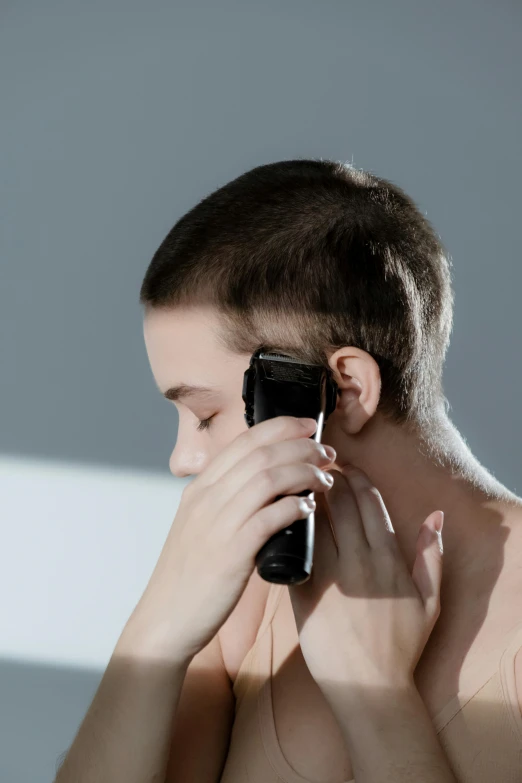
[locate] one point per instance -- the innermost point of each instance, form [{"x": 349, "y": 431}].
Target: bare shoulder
[{"x": 238, "y": 633}]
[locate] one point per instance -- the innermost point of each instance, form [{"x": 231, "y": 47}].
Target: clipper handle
[{"x": 287, "y": 557}]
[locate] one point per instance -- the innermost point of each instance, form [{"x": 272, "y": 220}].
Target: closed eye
[{"x": 204, "y": 424}]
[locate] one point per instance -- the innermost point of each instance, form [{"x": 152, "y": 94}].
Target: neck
[{"x": 419, "y": 471}]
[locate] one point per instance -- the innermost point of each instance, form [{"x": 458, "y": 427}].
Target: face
[{"x": 182, "y": 349}]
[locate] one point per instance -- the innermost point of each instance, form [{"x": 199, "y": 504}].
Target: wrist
[
  {"x": 368, "y": 696},
  {"x": 148, "y": 638},
  {"x": 381, "y": 703},
  {"x": 389, "y": 728}
]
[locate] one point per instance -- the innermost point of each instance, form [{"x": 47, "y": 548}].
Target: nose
[{"x": 186, "y": 462}]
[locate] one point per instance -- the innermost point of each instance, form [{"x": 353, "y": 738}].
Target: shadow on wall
[{"x": 41, "y": 709}]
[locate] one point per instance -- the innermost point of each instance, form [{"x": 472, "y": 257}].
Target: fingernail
[
  {"x": 330, "y": 451},
  {"x": 439, "y": 521}
]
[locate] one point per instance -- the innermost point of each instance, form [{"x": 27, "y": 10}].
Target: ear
[{"x": 358, "y": 377}]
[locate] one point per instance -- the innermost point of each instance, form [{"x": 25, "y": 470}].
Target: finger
[
  {"x": 427, "y": 568},
  {"x": 374, "y": 514},
  {"x": 265, "y": 433},
  {"x": 345, "y": 516},
  {"x": 325, "y": 545}
]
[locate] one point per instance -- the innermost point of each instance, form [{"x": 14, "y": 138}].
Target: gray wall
[{"x": 116, "y": 117}]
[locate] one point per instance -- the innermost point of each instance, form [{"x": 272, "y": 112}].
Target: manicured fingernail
[{"x": 439, "y": 521}]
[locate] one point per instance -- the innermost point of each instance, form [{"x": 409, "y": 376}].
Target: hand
[
  {"x": 225, "y": 516},
  {"x": 362, "y": 619}
]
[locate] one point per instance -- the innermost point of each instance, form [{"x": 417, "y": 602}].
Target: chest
[{"x": 307, "y": 732}]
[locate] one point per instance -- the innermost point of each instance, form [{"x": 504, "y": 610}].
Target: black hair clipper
[{"x": 279, "y": 385}]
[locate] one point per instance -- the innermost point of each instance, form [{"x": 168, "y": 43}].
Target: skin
[{"x": 482, "y": 519}]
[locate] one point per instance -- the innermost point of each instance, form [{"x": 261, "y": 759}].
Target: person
[{"x": 400, "y": 658}]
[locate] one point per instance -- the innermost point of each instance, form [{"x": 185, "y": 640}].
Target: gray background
[{"x": 118, "y": 116}]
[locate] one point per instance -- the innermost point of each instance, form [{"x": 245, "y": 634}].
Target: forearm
[
  {"x": 390, "y": 737},
  {"x": 125, "y": 735}
]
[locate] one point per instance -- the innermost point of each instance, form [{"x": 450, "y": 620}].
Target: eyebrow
[{"x": 185, "y": 390}]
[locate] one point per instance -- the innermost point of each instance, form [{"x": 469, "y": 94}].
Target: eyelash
[{"x": 204, "y": 424}]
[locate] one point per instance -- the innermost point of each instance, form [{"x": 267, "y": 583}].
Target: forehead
[{"x": 182, "y": 348}]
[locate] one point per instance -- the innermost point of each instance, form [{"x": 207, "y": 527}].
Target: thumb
[{"x": 427, "y": 568}]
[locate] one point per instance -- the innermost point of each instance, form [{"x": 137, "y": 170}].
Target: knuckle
[
  {"x": 263, "y": 457},
  {"x": 266, "y": 478},
  {"x": 387, "y": 557},
  {"x": 286, "y": 423}
]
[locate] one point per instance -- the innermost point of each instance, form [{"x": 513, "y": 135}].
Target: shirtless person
[{"x": 361, "y": 673}]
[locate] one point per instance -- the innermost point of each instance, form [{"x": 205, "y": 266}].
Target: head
[{"x": 311, "y": 258}]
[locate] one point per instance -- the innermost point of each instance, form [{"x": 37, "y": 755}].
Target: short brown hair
[{"x": 306, "y": 256}]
